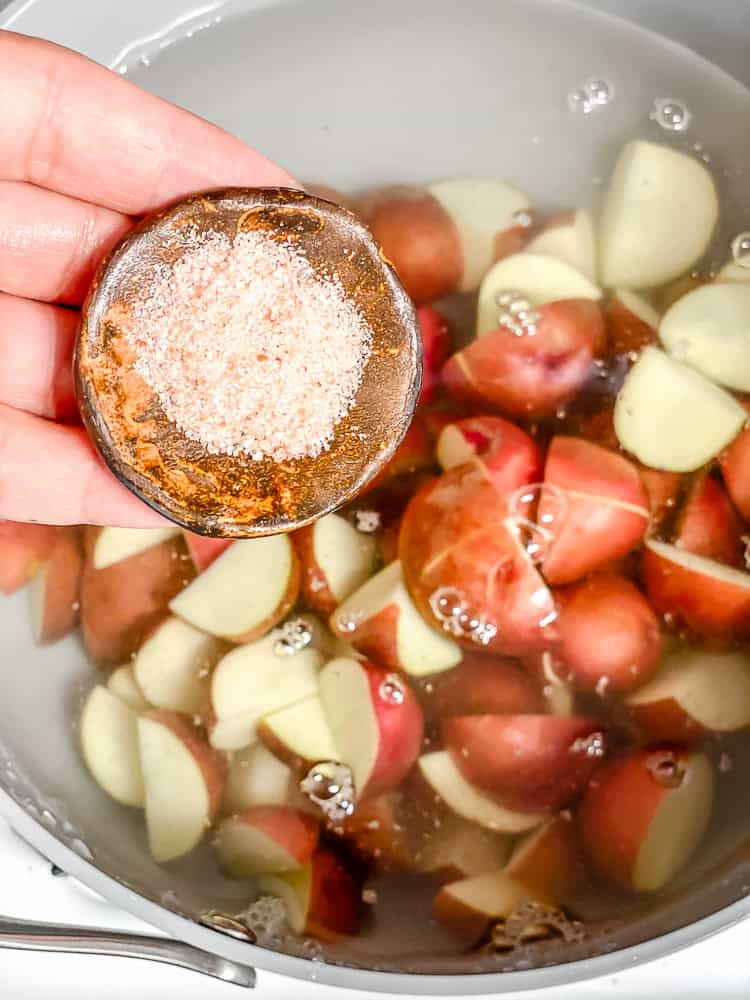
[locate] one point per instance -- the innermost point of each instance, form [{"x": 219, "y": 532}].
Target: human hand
[{"x": 83, "y": 153}]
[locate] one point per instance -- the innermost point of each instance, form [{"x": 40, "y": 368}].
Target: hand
[{"x": 83, "y": 153}]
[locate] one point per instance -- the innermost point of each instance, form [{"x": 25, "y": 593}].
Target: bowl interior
[{"x": 359, "y": 94}]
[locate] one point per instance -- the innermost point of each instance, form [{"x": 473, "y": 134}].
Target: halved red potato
[
  {"x": 23, "y": 547},
  {"x": 530, "y": 375},
  {"x": 375, "y": 721},
  {"x": 335, "y": 558},
  {"x": 254, "y": 680},
  {"x": 122, "y": 604},
  {"x": 534, "y": 763},
  {"x": 322, "y": 899},
  {"x": 436, "y": 346},
  {"x": 122, "y": 683},
  {"x": 708, "y": 524},
  {"x": 696, "y": 692},
  {"x": 458, "y": 849},
  {"x": 659, "y": 213},
  {"x": 506, "y": 455},
  {"x": 112, "y": 545},
  {"x": 704, "y": 596},
  {"x": 608, "y": 634},
  {"x": 257, "y": 778},
  {"x": 481, "y": 685},
  {"x": 265, "y": 839},
  {"x": 446, "y": 783},
  {"x": 443, "y": 238},
  {"x": 594, "y": 508},
  {"x": 470, "y": 906},
  {"x": 696, "y": 418},
  {"x": 378, "y": 831},
  {"x": 203, "y": 551},
  {"x": 55, "y": 589},
  {"x": 467, "y": 566},
  {"x": 545, "y": 861},
  {"x": 184, "y": 783},
  {"x": 109, "y": 743},
  {"x": 735, "y": 470},
  {"x": 299, "y": 734},
  {"x": 632, "y": 323},
  {"x": 245, "y": 591},
  {"x": 381, "y": 621},
  {"x": 173, "y": 666},
  {"x": 570, "y": 237},
  {"x": 537, "y": 279},
  {"x": 644, "y": 816}
]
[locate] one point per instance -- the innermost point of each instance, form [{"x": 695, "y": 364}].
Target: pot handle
[{"x": 33, "y": 935}]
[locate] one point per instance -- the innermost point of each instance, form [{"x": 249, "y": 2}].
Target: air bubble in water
[
  {"x": 292, "y": 636},
  {"x": 725, "y": 763},
  {"x": 532, "y": 921},
  {"x": 348, "y": 622},
  {"x": 595, "y": 93},
  {"x": 666, "y": 769},
  {"x": 48, "y": 818},
  {"x": 330, "y": 786},
  {"x": 523, "y": 218},
  {"x": 266, "y": 919},
  {"x": 515, "y": 313},
  {"x": 77, "y": 845},
  {"x": 531, "y": 526},
  {"x": 671, "y": 114},
  {"x": 741, "y": 249},
  {"x": 392, "y": 689},
  {"x": 367, "y": 521},
  {"x": 453, "y": 613},
  {"x": 592, "y": 745}
]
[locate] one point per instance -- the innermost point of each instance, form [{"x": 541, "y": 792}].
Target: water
[
  {"x": 741, "y": 249},
  {"x": 593, "y": 95},
  {"x": 367, "y": 521},
  {"x": 514, "y": 312},
  {"x": 330, "y": 786},
  {"x": 454, "y": 614},
  {"x": 671, "y": 114},
  {"x": 392, "y": 690},
  {"x": 293, "y": 636}
]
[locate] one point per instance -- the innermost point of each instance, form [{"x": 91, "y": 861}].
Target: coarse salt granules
[{"x": 249, "y": 350}]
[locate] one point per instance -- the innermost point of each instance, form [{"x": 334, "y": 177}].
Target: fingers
[
  {"x": 36, "y": 347},
  {"x": 50, "y": 245},
  {"x": 50, "y": 473},
  {"x": 75, "y": 127}
]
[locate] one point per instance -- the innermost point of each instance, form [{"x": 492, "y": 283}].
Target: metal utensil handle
[{"x": 33, "y": 935}]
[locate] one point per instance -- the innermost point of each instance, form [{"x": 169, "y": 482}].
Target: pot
[{"x": 353, "y": 95}]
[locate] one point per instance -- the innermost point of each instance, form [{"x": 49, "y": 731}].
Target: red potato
[
  {"x": 698, "y": 594},
  {"x": 569, "y": 236},
  {"x": 545, "y": 861},
  {"x": 506, "y": 455},
  {"x": 735, "y": 468},
  {"x": 55, "y": 589},
  {"x": 458, "y": 849},
  {"x": 526, "y": 762},
  {"x": 695, "y": 693},
  {"x": 204, "y": 551},
  {"x": 184, "y": 782},
  {"x": 122, "y": 604},
  {"x": 266, "y": 839},
  {"x": 107, "y": 546},
  {"x": 594, "y": 512},
  {"x": 481, "y": 685},
  {"x": 23, "y": 547},
  {"x": 608, "y": 634},
  {"x": 530, "y": 376},
  {"x": 471, "y": 906},
  {"x": 323, "y": 899},
  {"x": 644, "y": 816},
  {"x": 708, "y": 525},
  {"x": 381, "y": 622},
  {"x": 436, "y": 417},
  {"x": 413, "y": 455},
  {"x": 299, "y": 734},
  {"x": 335, "y": 560},
  {"x": 108, "y": 732},
  {"x": 375, "y": 721},
  {"x": 258, "y": 778},
  {"x": 662, "y": 489},
  {"x": 436, "y": 346},
  {"x": 444, "y": 238},
  {"x": 245, "y": 591},
  {"x": 467, "y": 567},
  {"x": 632, "y": 323},
  {"x": 378, "y": 831}
]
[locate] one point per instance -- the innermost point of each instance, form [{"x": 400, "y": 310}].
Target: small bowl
[{"x": 236, "y": 496}]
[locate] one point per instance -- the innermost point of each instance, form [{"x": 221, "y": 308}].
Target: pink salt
[{"x": 249, "y": 350}]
